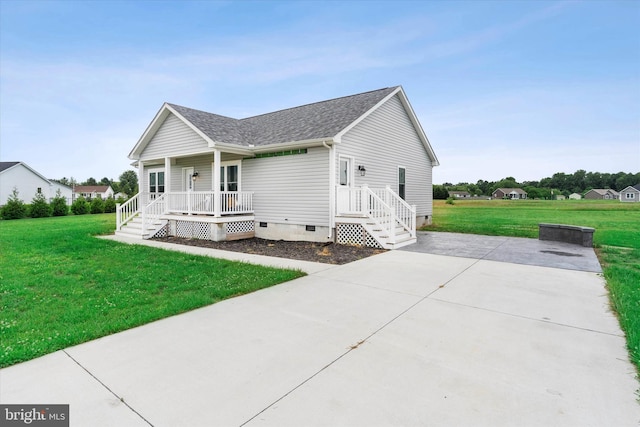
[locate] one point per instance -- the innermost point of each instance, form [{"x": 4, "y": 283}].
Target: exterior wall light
[{"x": 362, "y": 170}]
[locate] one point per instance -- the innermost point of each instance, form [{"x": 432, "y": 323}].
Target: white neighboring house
[
  {"x": 630, "y": 194},
  {"x": 28, "y": 182},
  {"x": 575, "y": 196},
  {"x": 356, "y": 169},
  {"x": 92, "y": 191}
]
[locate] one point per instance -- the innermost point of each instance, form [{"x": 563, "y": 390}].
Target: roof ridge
[
  {"x": 200, "y": 111},
  {"x": 318, "y": 102}
]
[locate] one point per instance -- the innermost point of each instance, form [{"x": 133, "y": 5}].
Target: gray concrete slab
[
  {"x": 507, "y": 249},
  {"x": 401, "y": 338}
]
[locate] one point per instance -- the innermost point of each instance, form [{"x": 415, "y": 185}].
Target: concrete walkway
[{"x": 402, "y": 338}]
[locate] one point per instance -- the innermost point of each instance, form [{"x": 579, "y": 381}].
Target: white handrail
[
  {"x": 126, "y": 211},
  {"x": 153, "y": 211},
  {"x": 382, "y": 205}
]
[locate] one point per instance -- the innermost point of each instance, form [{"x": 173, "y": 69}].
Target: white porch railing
[
  {"x": 151, "y": 206},
  {"x": 126, "y": 211},
  {"x": 382, "y": 206},
  {"x": 153, "y": 211},
  {"x": 202, "y": 202},
  {"x": 405, "y": 213}
]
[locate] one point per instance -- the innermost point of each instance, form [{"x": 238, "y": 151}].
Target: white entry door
[{"x": 187, "y": 179}]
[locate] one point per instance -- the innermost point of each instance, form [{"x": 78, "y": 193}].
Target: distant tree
[
  {"x": 63, "y": 181},
  {"x": 97, "y": 205},
  {"x": 90, "y": 181},
  {"x": 440, "y": 192},
  {"x": 129, "y": 183},
  {"x": 39, "y": 207},
  {"x": 59, "y": 205},
  {"x": 109, "y": 205},
  {"x": 80, "y": 206},
  {"x": 105, "y": 181},
  {"x": 15, "y": 207}
]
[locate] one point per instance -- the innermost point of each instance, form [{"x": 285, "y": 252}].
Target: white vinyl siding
[
  {"x": 174, "y": 138},
  {"x": 383, "y": 141},
  {"x": 289, "y": 189},
  {"x": 27, "y": 184}
]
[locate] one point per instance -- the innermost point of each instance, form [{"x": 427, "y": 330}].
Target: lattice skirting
[
  {"x": 355, "y": 234},
  {"x": 240, "y": 227},
  {"x": 193, "y": 230},
  {"x": 162, "y": 232}
]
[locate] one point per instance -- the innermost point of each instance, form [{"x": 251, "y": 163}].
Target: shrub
[
  {"x": 15, "y": 208},
  {"x": 80, "y": 206},
  {"x": 450, "y": 201},
  {"x": 59, "y": 205},
  {"x": 109, "y": 205},
  {"x": 97, "y": 205},
  {"x": 39, "y": 207}
]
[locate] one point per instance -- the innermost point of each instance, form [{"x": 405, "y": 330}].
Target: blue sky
[{"x": 507, "y": 88}]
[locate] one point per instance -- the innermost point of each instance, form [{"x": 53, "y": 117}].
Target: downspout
[{"x": 332, "y": 185}]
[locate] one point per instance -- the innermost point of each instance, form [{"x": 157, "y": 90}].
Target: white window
[
  {"x": 402, "y": 182},
  {"x": 156, "y": 181},
  {"x": 630, "y": 195},
  {"x": 230, "y": 176}
]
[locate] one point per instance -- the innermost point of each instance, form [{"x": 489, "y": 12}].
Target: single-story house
[
  {"x": 509, "y": 193},
  {"x": 575, "y": 196},
  {"x": 353, "y": 170},
  {"x": 601, "y": 194},
  {"x": 28, "y": 182},
  {"x": 460, "y": 194},
  {"x": 92, "y": 191},
  {"x": 630, "y": 194},
  {"x": 560, "y": 197}
]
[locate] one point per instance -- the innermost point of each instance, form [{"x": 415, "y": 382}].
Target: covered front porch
[{"x": 202, "y": 191}]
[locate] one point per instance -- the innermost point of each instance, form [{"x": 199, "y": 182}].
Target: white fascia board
[
  {"x": 155, "y": 124},
  {"x": 151, "y": 129},
  {"x": 418, "y": 127},
  {"x": 191, "y": 125},
  {"x": 338, "y": 137},
  {"x": 229, "y": 148},
  {"x": 32, "y": 170},
  {"x": 291, "y": 145}
]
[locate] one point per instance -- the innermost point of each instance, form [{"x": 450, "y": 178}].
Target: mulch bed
[{"x": 328, "y": 253}]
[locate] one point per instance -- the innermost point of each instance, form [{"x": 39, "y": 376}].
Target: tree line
[
  {"x": 127, "y": 184},
  {"x": 579, "y": 182},
  {"x": 16, "y": 208}
]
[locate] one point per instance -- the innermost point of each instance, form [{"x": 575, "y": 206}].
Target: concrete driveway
[{"x": 402, "y": 338}]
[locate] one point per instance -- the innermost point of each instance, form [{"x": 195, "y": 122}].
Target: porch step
[{"x": 134, "y": 229}]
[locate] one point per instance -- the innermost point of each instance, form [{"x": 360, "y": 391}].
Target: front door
[{"x": 187, "y": 179}]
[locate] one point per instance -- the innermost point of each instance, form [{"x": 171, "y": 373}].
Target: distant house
[
  {"x": 92, "y": 191},
  {"x": 28, "y": 182},
  {"x": 601, "y": 194},
  {"x": 561, "y": 197},
  {"x": 509, "y": 193},
  {"x": 575, "y": 196},
  {"x": 459, "y": 194},
  {"x": 630, "y": 194}
]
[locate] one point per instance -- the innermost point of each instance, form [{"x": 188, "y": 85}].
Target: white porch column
[
  {"x": 216, "y": 183},
  {"x": 167, "y": 183},
  {"x": 141, "y": 180}
]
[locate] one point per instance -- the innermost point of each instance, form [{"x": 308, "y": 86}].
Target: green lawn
[
  {"x": 60, "y": 286},
  {"x": 617, "y": 240}
]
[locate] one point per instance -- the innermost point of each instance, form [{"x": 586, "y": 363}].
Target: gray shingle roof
[
  {"x": 323, "y": 119},
  {"x": 7, "y": 165}
]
